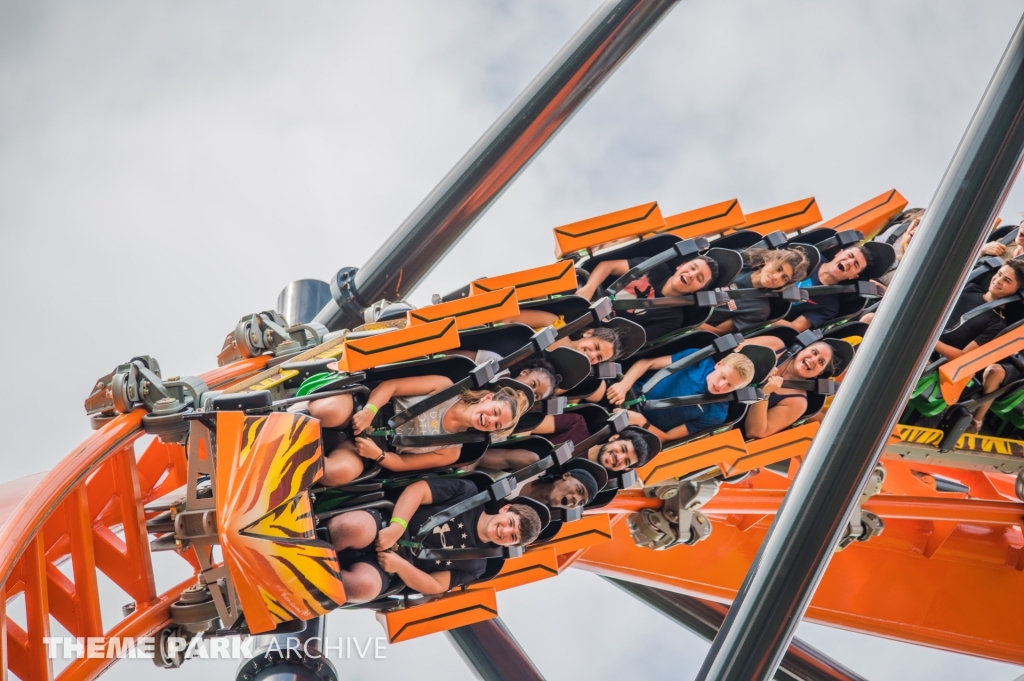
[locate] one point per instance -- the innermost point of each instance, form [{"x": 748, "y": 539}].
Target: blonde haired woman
[{"x": 495, "y": 411}]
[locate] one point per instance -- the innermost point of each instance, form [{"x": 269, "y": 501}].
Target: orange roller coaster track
[{"x": 90, "y": 509}]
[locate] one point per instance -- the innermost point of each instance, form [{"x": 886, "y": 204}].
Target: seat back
[
  {"x": 647, "y": 248},
  {"x": 737, "y": 410},
  {"x": 678, "y": 342}
]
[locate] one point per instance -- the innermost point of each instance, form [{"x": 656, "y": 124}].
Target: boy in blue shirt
[{"x": 732, "y": 372}]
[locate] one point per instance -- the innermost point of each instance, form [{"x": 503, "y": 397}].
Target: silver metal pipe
[
  {"x": 492, "y": 652},
  {"x": 494, "y": 162},
  {"x": 793, "y": 557},
  {"x": 802, "y": 662},
  {"x": 300, "y": 301}
]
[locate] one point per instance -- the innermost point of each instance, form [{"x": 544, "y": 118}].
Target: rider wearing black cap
[{"x": 577, "y": 485}]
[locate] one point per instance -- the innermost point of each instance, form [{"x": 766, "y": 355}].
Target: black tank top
[
  {"x": 775, "y": 398},
  {"x": 773, "y": 401}
]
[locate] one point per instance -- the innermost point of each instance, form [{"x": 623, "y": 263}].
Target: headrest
[
  {"x": 542, "y": 510},
  {"x": 729, "y": 265},
  {"x": 572, "y": 366},
  {"x": 763, "y": 359},
  {"x": 842, "y": 355},
  {"x": 814, "y": 238},
  {"x": 649, "y": 438},
  {"x": 648, "y": 248},
  {"x": 533, "y": 443},
  {"x": 632, "y": 335},
  {"x": 684, "y": 341},
  {"x": 1001, "y": 231},
  {"x": 813, "y": 256},
  {"x": 847, "y": 330},
  {"x": 738, "y": 241},
  {"x": 882, "y": 258},
  {"x": 516, "y": 385},
  {"x": 786, "y": 334}
]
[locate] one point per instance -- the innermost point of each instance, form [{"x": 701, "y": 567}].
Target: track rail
[{"x": 89, "y": 509}]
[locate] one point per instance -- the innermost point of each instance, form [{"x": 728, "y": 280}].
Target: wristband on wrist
[
  {"x": 401, "y": 522},
  {"x": 371, "y": 408}
]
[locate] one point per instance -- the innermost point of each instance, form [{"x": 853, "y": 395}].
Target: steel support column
[
  {"x": 802, "y": 662},
  {"x": 491, "y": 650},
  {"x": 796, "y": 551},
  {"x": 497, "y": 158}
]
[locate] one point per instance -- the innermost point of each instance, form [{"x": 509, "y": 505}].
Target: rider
[
  {"x": 866, "y": 262},
  {"x": 784, "y": 406},
  {"x": 698, "y": 274},
  {"x": 622, "y": 451},
  {"x": 573, "y": 488},
  {"x": 982, "y": 328},
  {"x": 366, "y": 577},
  {"x": 536, "y": 373},
  {"x": 763, "y": 269},
  {"x": 732, "y": 372},
  {"x": 495, "y": 411}
]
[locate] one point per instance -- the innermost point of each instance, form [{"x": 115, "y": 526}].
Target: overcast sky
[{"x": 167, "y": 167}]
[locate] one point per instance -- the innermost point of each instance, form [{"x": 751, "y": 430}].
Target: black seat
[
  {"x": 453, "y": 367},
  {"x": 646, "y": 248},
  {"x": 670, "y": 345},
  {"x": 738, "y": 241},
  {"x": 256, "y": 399},
  {"x": 737, "y": 410}
]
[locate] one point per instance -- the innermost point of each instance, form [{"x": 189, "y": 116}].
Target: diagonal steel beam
[
  {"x": 802, "y": 662},
  {"x": 793, "y": 557},
  {"x": 491, "y": 650},
  {"x": 495, "y": 161}
]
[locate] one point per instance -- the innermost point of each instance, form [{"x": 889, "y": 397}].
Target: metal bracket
[
  {"x": 772, "y": 241},
  {"x": 728, "y": 342},
  {"x": 862, "y": 526},
  {"x": 191, "y": 523},
  {"x": 608, "y": 371},
  {"x": 268, "y": 332},
  {"x": 551, "y": 407},
  {"x": 138, "y": 384},
  {"x": 711, "y": 298},
  {"x": 677, "y": 521},
  {"x": 795, "y": 295},
  {"x": 544, "y": 338},
  {"x": 566, "y": 515}
]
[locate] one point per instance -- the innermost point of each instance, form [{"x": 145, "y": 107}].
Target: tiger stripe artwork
[{"x": 265, "y": 466}]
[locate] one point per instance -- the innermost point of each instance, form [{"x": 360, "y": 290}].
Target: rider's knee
[
  {"x": 362, "y": 582},
  {"x": 352, "y": 530}
]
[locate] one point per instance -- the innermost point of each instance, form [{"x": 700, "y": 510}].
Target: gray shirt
[{"x": 429, "y": 423}]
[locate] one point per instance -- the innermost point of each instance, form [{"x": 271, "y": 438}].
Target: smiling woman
[{"x": 495, "y": 411}]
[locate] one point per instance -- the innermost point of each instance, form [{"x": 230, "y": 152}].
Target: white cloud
[{"x": 168, "y": 167}]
